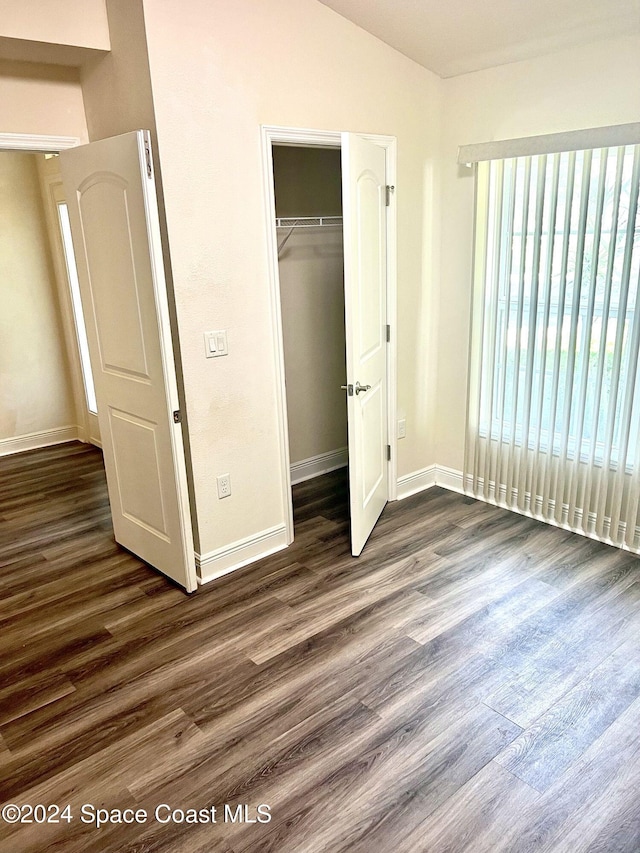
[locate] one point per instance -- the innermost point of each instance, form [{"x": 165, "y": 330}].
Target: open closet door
[
  {"x": 364, "y": 217},
  {"x": 114, "y": 223}
]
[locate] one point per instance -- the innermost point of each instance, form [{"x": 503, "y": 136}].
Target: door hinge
[
  {"x": 177, "y": 416},
  {"x": 388, "y": 453},
  {"x": 388, "y": 191},
  {"x": 388, "y": 333},
  {"x": 147, "y": 154}
]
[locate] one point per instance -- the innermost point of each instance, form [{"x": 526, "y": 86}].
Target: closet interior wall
[{"x": 307, "y": 183}]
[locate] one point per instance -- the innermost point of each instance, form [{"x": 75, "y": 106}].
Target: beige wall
[
  {"x": 593, "y": 85},
  {"x": 219, "y": 70},
  {"x": 117, "y": 87},
  {"x": 41, "y": 99},
  {"x": 35, "y": 383},
  {"x": 70, "y": 22}
]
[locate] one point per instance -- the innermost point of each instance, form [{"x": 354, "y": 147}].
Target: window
[
  {"x": 78, "y": 315},
  {"x": 562, "y": 265},
  {"x": 554, "y": 415}
]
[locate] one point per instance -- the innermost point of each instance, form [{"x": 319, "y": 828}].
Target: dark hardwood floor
[{"x": 470, "y": 683}]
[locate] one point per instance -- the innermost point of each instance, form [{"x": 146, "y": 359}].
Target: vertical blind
[{"x": 554, "y": 405}]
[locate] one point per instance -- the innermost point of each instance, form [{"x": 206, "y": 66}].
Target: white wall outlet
[
  {"x": 224, "y": 485},
  {"x": 402, "y": 428},
  {"x": 215, "y": 343}
]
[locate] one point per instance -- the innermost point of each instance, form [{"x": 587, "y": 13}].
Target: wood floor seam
[{"x": 505, "y": 717}]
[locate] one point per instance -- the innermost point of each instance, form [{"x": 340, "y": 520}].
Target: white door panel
[
  {"x": 114, "y": 221},
  {"x": 135, "y": 447},
  {"x": 364, "y": 217}
]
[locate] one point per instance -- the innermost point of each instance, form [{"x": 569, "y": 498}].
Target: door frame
[
  {"x": 277, "y": 135},
  {"x": 47, "y": 144}
]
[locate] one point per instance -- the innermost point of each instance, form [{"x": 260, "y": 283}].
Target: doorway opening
[
  {"x": 114, "y": 218},
  {"x": 308, "y": 211},
  {"x": 47, "y": 396},
  {"x": 325, "y": 191}
]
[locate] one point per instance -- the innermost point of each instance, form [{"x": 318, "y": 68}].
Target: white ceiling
[{"x": 453, "y": 37}]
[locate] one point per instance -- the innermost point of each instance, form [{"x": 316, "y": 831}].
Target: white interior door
[
  {"x": 114, "y": 221},
  {"x": 364, "y": 217}
]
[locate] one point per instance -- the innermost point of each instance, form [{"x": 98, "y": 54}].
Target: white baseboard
[
  {"x": 230, "y": 557},
  {"x": 34, "y": 440},
  {"x": 416, "y": 482},
  {"x": 434, "y": 475},
  {"x": 449, "y": 478},
  {"x": 317, "y": 465}
]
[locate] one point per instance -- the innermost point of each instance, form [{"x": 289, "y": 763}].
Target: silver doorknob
[
  {"x": 360, "y": 387},
  {"x": 348, "y": 389}
]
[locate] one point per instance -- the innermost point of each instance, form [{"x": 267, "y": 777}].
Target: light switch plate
[{"x": 215, "y": 343}]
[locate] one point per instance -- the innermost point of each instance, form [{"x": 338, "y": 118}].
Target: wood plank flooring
[{"x": 470, "y": 683}]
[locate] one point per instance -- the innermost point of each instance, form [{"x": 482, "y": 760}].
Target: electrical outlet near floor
[
  {"x": 402, "y": 428},
  {"x": 224, "y": 485}
]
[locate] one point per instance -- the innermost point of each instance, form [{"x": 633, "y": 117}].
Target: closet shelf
[
  {"x": 304, "y": 222},
  {"x": 308, "y": 222}
]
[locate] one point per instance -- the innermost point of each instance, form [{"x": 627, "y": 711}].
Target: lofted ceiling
[{"x": 453, "y": 37}]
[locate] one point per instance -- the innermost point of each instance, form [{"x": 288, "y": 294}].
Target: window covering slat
[
  {"x": 586, "y": 334},
  {"x": 538, "y": 477},
  {"x": 593, "y": 473},
  {"x": 522, "y": 459},
  {"x": 564, "y": 470},
  {"x": 519, "y": 314}
]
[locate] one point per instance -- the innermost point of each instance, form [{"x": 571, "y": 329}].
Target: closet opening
[
  {"x": 324, "y": 177},
  {"x": 307, "y": 182}
]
